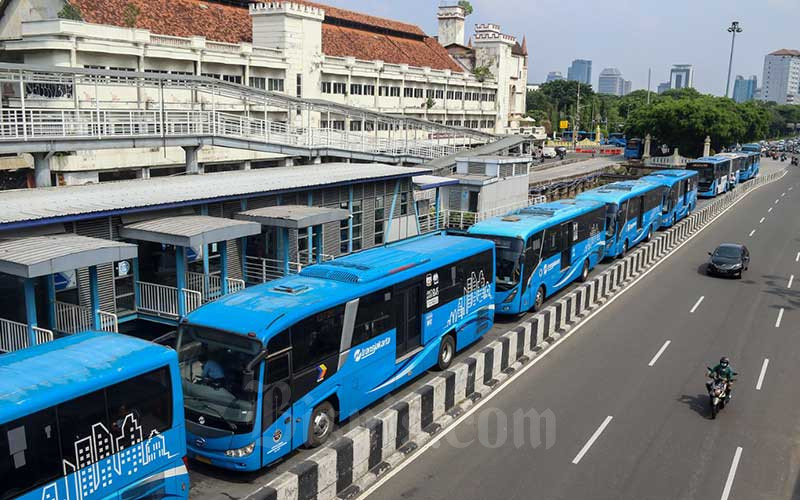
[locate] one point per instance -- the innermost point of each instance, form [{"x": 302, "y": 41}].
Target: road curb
[{"x": 350, "y": 464}]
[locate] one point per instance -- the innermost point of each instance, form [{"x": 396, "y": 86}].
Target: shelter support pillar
[
  {"x": 41, "y": 169},
  {"x": 30, "y": 309},
  {"x": 223, "y": 263},
  {"x": 192, "y": 166},
  {"x": 94, "y": 291}
]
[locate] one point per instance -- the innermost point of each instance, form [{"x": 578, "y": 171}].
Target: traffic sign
[{"x": 563, "y": 124}]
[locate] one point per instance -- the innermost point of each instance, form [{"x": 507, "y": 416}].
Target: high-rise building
[
  {"x": 611, "y": 82},
  {"x": 744, "y": 89},
  {"x": 554, "y": 76},
  {"x": 626, "y": 89},
  {"x": 580, "y": 71},
  {"x": 663, "y": 87},
  {"x": 780, "y": 81},
  {"x": 681, "y": 76}
]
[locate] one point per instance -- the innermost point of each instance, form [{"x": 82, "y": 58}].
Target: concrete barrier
[{"x": 351, "y": 463}]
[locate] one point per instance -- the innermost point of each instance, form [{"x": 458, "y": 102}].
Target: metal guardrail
[
  {"x": 210, "y": 286},
  {"x": 14, "y": 336},
  {"x": 74, "y": 318},
  {"x": 162, "y": 300}
]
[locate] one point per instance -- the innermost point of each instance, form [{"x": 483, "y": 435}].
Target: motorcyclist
[{"x": 723, "y": 371}]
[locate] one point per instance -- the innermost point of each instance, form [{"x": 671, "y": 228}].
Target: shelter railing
[
  {"x": 162, "y": 300},
  {"x": 14, "y": 335}
]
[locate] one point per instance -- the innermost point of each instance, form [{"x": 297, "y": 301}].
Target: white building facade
[
  {"x": 299, "y": 48},
  {"x": 681, "y": 76},
  {"x": 781, "y": 77}
]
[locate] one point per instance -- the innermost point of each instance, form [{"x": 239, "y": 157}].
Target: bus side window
[
  {"x": 317, "y": 338},
  {"x": 29, "y": 453},
  {"x": 375, "y": 316},
  {"x": 146, "y": 397},
  {"x": 75, "y": 421},
  {"x": 552, "y": 242},
  {"x": 533, "y": 249},
  {"x": 277, "y": 391}
]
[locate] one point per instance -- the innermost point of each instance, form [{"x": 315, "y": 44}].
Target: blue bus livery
[
  {"x": 740, "y": 170},
  {"x": 752, "y": 148},
  {"x": 752, "y": 165},
  {"x": 272, "y": 367},
  {"x": 90, "y": 416},
  {"x": 680, "y": 193},
  {"x": 541, "y": 249},
  {"x": 634, "y": 149},
  {"x": 713, "y": 173},
  {"x": 633, "y": 213}
]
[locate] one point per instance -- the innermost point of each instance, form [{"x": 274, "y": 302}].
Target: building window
[
  {"x": 450, "y": 94},
  {"x": 326, "y": 87},
  {"x": 394, "y": 92},
  {"x": 418, "y": 93},
  {"x": 404, "y": 203},
  {"x": 258, "y": 82},
  {"x": 380, "y": 217},
  {"x": 339, "y": 88},
  {"x": 383, "y": 90},
  {"x": 120, "y": 78},
  {"x": 275, "y": 84},
  {"x": 356, "y": 89},
  {"x": 216, "y": 76},
  {"x": 338, "y": 124},
  {"x": 369, "y": 126},
  {"x": 429, "y": 93},
  {"x": 355, "y": 126},
  {"x": 459, "y": 95},
  {"x": 408, "y": 92},
  {"x": 232, "y": 79},
  {"x": 439, "y": 94},
  {"x": 357, "y": 221},
  {"x": 369, "y": 89},
  {"x": 299, "y": 85},
  {"x": 344, "y": 230}
]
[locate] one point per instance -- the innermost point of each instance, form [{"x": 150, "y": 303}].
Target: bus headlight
[
  {"x": 241, "y": 452},
  {"x": 511, "y": 295}
]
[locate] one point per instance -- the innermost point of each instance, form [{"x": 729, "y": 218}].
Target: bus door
[
  {"x": 640, "y": 212},
  {"x": 409, "y": 319},
  {"x": 567, "y": 233},
  {"x": 276, "y": 407}
]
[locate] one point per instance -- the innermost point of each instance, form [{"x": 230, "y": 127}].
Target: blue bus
[
  {"x": 541, "y": 249},
  {"x": 739, "y": 167},
  {"x": 616, "y": 139},
  {"x": 634, "y": 149},
  {"x": 90, "y": 416},
  {"x": 275, "y": 366},
  {"x": 633, "y": 213},
  {"x": 752, "y": 165},
  {"x": 714, "y": 174},
  {"x": 680, "y": 193},
  {"x": 752, "y": 148}
]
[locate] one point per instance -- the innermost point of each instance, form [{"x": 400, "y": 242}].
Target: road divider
[{"x": 363, "y": 455}]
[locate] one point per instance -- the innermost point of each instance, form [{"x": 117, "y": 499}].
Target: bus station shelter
[{"x": 37, "y": 259}]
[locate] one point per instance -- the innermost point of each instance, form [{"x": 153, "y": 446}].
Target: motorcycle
[
  {"x": 795, "y": 161},
  {"x": 717, "y": 392}
]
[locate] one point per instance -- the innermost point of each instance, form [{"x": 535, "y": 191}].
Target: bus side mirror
[{"x": 249, "y": 382}]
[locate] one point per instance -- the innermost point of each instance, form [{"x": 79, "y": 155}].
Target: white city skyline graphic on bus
[{"x": 103, "y": 460}]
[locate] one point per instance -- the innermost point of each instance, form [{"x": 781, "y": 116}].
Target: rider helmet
[{"x": 724, "y": 361}]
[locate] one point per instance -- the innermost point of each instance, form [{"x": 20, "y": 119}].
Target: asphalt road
[
  {"x": 626, "y": 430},
  {"x": 211, "y": 483}
]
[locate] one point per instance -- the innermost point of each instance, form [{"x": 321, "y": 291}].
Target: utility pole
[
  {"x": 733, "y": 29},
  {"x": 575, "y": 121},
  {"x": 649, "y": 74}
]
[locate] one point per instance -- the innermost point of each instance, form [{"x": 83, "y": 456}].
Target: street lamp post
[{"x": 733, "y": 29}]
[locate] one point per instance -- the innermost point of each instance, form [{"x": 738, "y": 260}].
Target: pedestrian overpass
[{"x": 46, "y": 110}]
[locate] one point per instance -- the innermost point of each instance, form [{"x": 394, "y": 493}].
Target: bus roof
[
  {"x": 263, "y": 310},
  {"x": 526, "y": 221},
  {"x": 617, "y": 192},
  {"x": 47, "y": 374},
  {"x": 736, "y": 154},
  {"x": 710, "y": 159},
  {"x": 669, "y": 177}
]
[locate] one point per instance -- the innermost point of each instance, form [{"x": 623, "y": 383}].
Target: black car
[{"x": 729, "y": 259}]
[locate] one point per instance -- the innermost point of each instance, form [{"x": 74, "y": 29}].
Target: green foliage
[
  {"x": 466, "y": 5},
  {"x": 429, "y": 103},
  {"x": 130, "y": 14},
  {"x": 482, "y": 73},
  {"x": 71, "y": 12}
]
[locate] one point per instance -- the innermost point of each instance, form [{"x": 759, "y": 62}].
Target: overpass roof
[{"x": 31, "y": 207}]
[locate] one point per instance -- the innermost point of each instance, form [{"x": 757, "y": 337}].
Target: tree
[
  {"x": 130, "y": 14},
  {"x": 466, "y": 5},
  {"x": 71, "y": 12},
  {"x": 481, "y": 73}
]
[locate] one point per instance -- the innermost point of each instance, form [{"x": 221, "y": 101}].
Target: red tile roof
[
  {"x": 785, "y": 52},
  {"x": 344, "y": 32}
]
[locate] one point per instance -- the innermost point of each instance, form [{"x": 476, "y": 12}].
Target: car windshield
[
  {"x": 211, "y": 365},
  {"x": 508, "y": 252},
  {"x": 728, "y": 252}
]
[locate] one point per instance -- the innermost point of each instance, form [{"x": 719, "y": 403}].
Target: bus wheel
[
  {"x": 321, "y": 425},
  {"x": 649, "y": 235},
  {"x": 584, "y": 272},
  {"x": 447, "y": 350},
  {"x": 539, "y": 300}
]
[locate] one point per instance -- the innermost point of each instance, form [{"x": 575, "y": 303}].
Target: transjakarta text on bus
[
  {"x": 273, "y": 367},
  {"x": 90, "y": 416}
]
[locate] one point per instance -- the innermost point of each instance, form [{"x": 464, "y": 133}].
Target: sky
[{"x": 632, "y": 35}]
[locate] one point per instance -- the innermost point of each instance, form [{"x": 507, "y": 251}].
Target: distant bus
[
  {"x": 541, "y": 249},
  {"x": 713, "y": 175},
  {"x": 680, "y": 193},
  {"x": 273, "y": 367},
  {"x": 616, "y": 139},
  {"x": 752, "y": 147},
  {"x": 752, "y": 166},
  {"x": 633, "y": 213},
  {"x": 634, "y": 149},
  {"x": 90, "y": 416},
  {"x": 739, "y": 169}
]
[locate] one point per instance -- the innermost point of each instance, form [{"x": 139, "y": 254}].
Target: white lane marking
[
  {"x": 783, "y": 194},
  {"x": 752, "y": 232},
  {"x": 791, "y": 280},
  {"x": 659, "y": 353},
  {"x": 797, "y": 259},
  {"x": 770, "y": 209},
  {"x": 763, "y": 372},
  {"x": 790, "y": 188},
  {"x": 696, "y": 304},
  {"x": 467, "y": 414},
  {"x": 592, "y": 440},
  {"x": 732, "y": 473},
  {"x": 776, "y": 201},
  {"x": 762, "y": 220},
  {"x": 780, "y": 317}
]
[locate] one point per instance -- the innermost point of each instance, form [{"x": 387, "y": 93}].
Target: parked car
[
  {"x": 729, "y": 259},
  {"x": 549, "y": 152}
]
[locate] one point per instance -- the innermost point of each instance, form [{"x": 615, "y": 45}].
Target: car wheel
[
  {"x": 321, "y": 425},
  {"x": 447, "y": 350}
]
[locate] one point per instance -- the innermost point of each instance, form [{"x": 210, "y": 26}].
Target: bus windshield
[
  {"x": 705, "y": 172},
  {"x": 508, "y": 251},
  {"x": 212, "y": 364}
]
